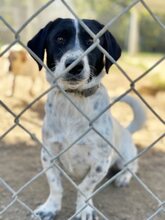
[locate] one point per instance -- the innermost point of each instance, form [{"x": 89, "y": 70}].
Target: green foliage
[
  {"x": 152, "y": 35},
  {"x": 105, "y": 11}
]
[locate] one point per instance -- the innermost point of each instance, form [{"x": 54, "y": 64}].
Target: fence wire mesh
[{"x": 15, "y": 194}]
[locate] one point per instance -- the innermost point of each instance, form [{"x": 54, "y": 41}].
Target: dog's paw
[
  {"x": 123, "y": 179},
  {"x": 87, "y": 214},
  {"x": 44, "y": 215},
  {"x": 45, "y": 212}
]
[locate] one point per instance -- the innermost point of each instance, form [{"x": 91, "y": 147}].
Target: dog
[
  {"x": 91, "y": 156},
  {"x": 22, "y": 64}
]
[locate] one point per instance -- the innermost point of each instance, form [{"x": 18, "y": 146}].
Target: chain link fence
[{"x": 17, "y": 117}]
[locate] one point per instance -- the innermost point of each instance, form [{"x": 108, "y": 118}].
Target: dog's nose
[{"x": 76, "y": 69}]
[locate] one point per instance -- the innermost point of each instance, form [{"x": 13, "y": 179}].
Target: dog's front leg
[
  {"x": 97, "y": 172},
  {"x": 11, "y": 91},
  {"x": 52, "y": 206}
]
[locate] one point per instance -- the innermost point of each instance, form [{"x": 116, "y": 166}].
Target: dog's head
[
  {"x": 65, "y": 40},
  {"x": 17, "y": 57}
]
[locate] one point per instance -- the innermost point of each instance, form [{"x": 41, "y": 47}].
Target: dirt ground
[{"x": 20, "y": 156}]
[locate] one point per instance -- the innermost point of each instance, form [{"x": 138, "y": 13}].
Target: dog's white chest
[{"x": 65, "y": 127}]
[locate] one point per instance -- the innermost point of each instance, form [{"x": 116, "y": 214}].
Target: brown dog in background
[{"x": 21, "y": 64}]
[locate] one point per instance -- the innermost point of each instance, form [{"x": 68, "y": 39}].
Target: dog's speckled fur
[{"x": 89, "y": 160}]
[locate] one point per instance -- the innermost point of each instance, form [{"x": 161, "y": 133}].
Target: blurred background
[
  {"x": 142, "y": 40},
  {"x": 136, "y": 30}
]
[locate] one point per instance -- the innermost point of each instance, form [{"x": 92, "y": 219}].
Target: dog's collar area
[{"x": 85, "y": 93}]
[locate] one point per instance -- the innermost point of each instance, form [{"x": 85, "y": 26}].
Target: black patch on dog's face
[
  {"x": 59, "y": 36},
  {"x": 95, "y": 57}
]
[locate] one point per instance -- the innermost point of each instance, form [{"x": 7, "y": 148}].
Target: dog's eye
[
  {"x": 60, "y": 40},
  {"x": 89, "y": 41}
]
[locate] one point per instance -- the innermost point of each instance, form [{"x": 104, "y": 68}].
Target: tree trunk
[
  {"x": 133, "y": 39},
  {"x": 30, "y": 11}
]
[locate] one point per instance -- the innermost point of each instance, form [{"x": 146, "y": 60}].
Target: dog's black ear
[
  {"x": 112, "y": 47},
  {"x": 38, "y": 42}
]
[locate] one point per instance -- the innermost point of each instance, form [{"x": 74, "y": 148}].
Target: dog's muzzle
[
  {"x": 77, "y": 69},
  {"x": 76, "y": 73}
]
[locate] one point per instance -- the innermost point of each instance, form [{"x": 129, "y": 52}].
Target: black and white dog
[{"x": 90, "y": 158}]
